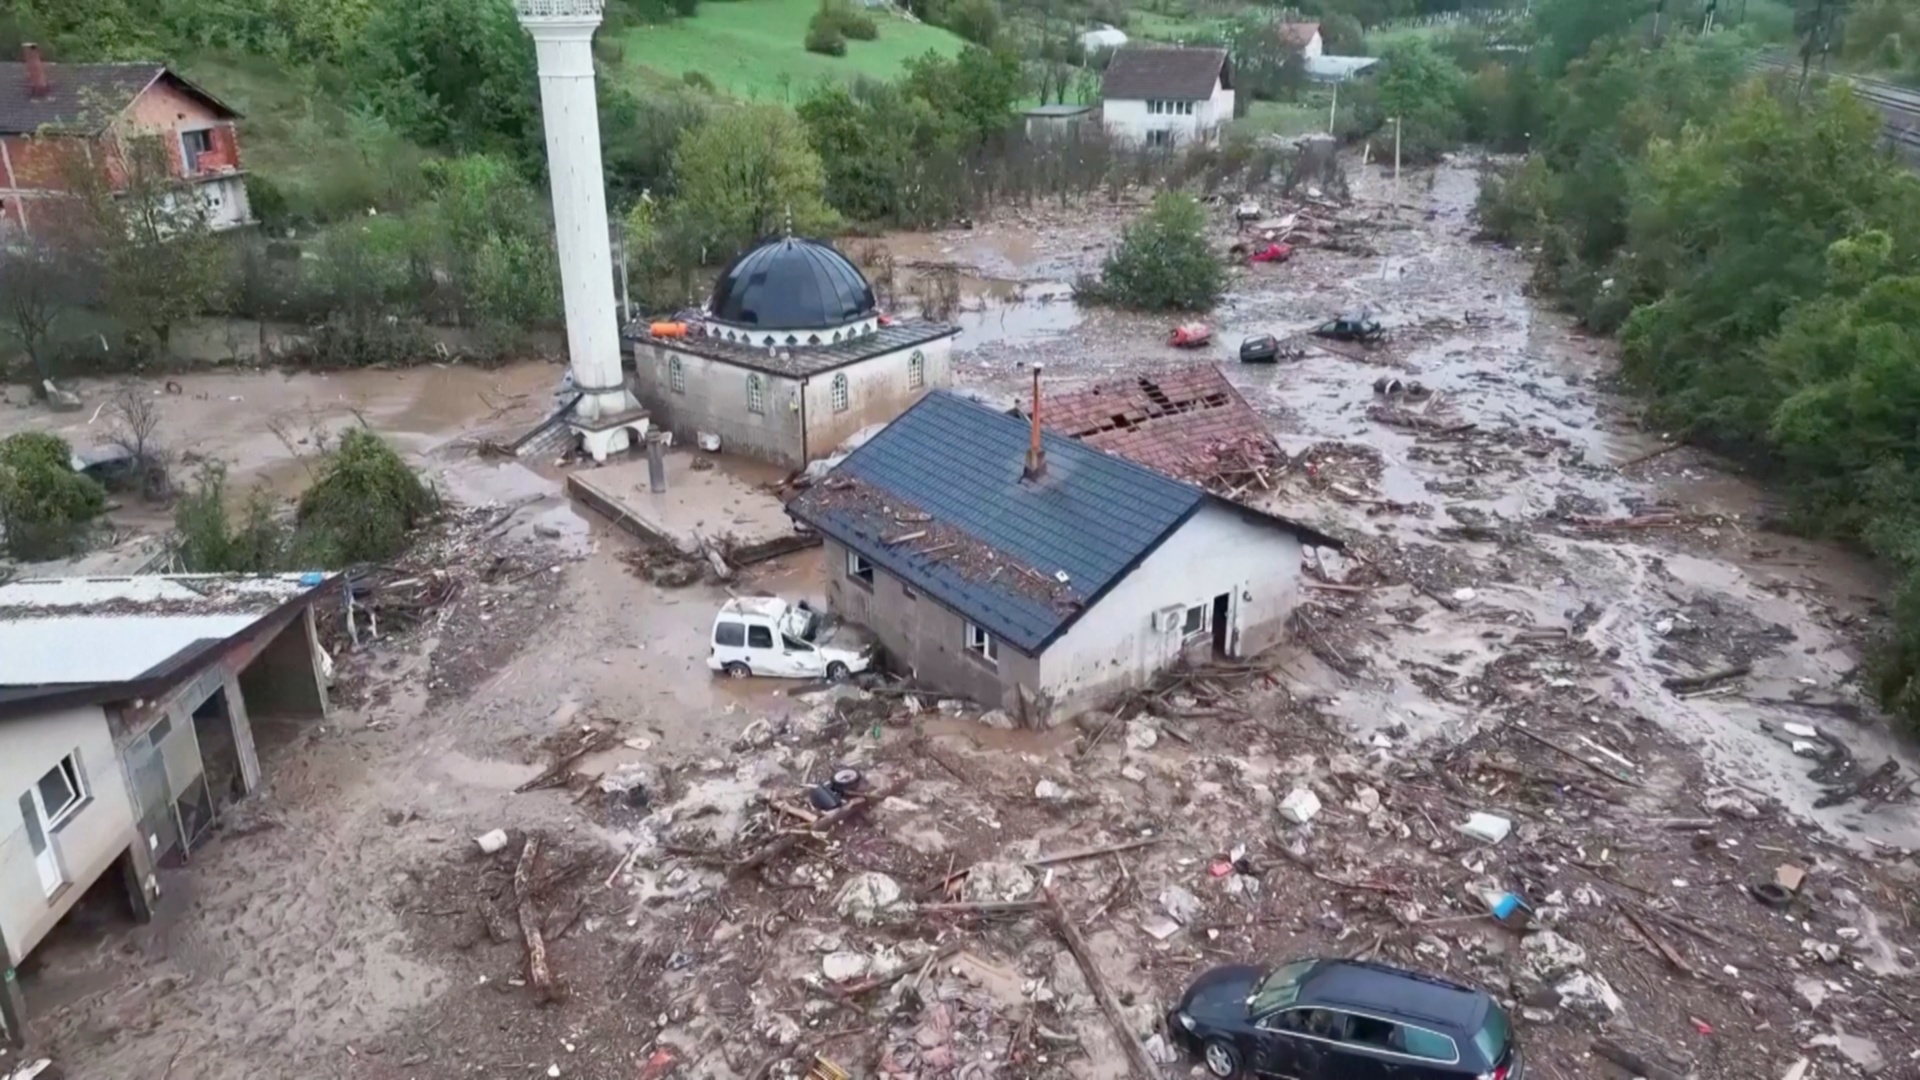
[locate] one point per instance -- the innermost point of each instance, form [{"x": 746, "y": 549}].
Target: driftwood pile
[{"x": 384, "y": 600}]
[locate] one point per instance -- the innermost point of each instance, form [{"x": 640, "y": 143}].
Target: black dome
[{"x": 792, "y": 284}]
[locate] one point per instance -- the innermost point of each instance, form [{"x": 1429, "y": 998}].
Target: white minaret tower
[{"x": 607, "y": 418}]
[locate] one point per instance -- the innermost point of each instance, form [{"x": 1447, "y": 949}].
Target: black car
[
  {"x": 1343, "y": 1020},
  {"x": 1262, "y": 349}
]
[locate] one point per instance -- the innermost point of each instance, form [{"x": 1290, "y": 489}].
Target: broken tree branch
[
  {"x": 539, "y": 975},
  {"x": 1143, "y": 1066},
  {"x": 1564, "y": 752},
  {"x": 1088, "y": 853},
  {"x": 854, "y": 808}
]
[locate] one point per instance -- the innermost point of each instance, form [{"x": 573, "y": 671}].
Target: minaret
[{"x": 607, "y": 416}]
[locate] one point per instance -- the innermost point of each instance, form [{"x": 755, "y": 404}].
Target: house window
[
  {"x": 756, "y": 395},
  {"x": 1153, "y": 108},
  {"x": 839, "y": 393},
  {"x": 1160, "y": 138},
  {"x": 858, "y": 568},
  {"x": 192, "y": 145},
  {"x": 62, "y": 790},
  {"x": 916, "y": 370},
  {"x": 1195, "y": 620},
  {"x": 676, "y": 375},
  {"x": 981, "y": 644}
]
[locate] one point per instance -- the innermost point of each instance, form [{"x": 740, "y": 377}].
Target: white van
[{"x": 765, "y": 635}]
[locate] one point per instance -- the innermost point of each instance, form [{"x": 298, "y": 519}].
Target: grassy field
[
  {"x": 1282, "y": 118},
  {"x": 752, "y": 48},
  {"x": 1155, "y": 26}
]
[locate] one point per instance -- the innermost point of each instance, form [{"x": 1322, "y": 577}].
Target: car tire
[
  {"x": 837, "y": 672},
  {"x": 737, "y": 670},
  {"x": 1221, "y": 1058}
]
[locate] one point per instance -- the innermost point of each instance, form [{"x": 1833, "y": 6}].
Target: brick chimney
[
  {"x": 37, "y": 85},
  {"x": 1036, "y": 457}
]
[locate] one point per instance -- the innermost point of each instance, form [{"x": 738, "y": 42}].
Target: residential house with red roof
[{"x": 52, "y": 112}]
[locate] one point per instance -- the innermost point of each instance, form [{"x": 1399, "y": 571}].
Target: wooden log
[
  {"x": 854, "y": 808},
  {"x": 1700, "y": 682},
  {"x": 1566, "y": 753},
  {"x": 557, "y": 774},
  {"x": 1632, "y": 1062},
  {"x": 984, "y": 907},
  {"x": 1089, "y": 853},
  {"x": 1143, "y": 1066},
  {"x": 539, "y": 974}
]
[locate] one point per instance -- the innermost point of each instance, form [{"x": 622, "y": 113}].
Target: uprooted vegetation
[
  {"x": 45, "y": 506},
  {"x": 364, "y": 504}
]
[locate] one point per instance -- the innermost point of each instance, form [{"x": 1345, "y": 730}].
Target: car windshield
[
  {"x": 1491, "y": 1039},
  {"x": 1279, "y": 989}
]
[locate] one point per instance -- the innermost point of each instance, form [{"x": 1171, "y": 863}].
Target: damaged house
[
  {"x": 129, "y": 708},
  {"x": 1034, "y": 573},
  {"x": 1188, "y": 423}
]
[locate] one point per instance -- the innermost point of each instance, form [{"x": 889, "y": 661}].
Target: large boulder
[{"x": 866, "y": 897}]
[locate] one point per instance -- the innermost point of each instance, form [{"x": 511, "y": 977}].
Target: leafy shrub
[
  {"x": 1163, "y": 262},
  {"x": 698, "y": 80},
  {"x": 45, "y": 506},
  {"x": 206, "y": 541},
  {"x": 976, "y": 20},
  {"x": 824, "y": 36},
  {"x": 364, "y": 505}
]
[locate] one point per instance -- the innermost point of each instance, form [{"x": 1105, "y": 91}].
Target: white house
[
  {"x": 1304, "y": 36},
  {"x": 790, "y": 358},
  {"x": 1101, "y": 37},
  {"x": 1034, "y": 573},
  {"x": 128, "y": 708},
  {"x": 1167, "y": 96}
]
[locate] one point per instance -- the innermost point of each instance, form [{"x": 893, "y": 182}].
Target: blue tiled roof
[{"x": 1091, "y": 515}]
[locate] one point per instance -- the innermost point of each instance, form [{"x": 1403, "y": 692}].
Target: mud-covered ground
[{"x": 1508, "y": 584}]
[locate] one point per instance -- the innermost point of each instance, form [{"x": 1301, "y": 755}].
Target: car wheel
[
  {"x": 737, "y": 670},
  {"x": 836, "y": 671},
  {"x": 1221, "y": 1058}
]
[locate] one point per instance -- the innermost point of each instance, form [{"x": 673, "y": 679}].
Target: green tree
[
  {"x": 747, "y": 173},
  {"x": 1426, "y": 93},
  {"x": 453, "y": 74},
  {"x": 146, "y": 241},
  {"x": 976, "y": 20},
  {"x": 979, "y": 88},
  {"x": 499, "y": 247},
  {"x": 1163, "y": 262},
  {"x": 45, "y": 507}
]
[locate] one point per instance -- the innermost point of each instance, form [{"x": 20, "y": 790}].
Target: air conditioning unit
[{"x": 1168, "y": 618}]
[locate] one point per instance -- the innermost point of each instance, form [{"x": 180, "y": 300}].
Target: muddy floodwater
[{"x": 1507, "y": 500}]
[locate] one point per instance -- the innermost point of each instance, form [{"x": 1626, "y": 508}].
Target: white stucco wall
[
  {"x": 1114, "y": 647},
  {"x": 1129, "y": 120},
  {"x": 1313, "y": 47},
  {"x": 878, "y": 389},
  {"x": 88, "y": 842}
]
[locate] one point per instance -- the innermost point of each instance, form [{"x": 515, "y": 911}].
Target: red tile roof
[
  {"x": 1185, "y": 422},
  {"x": 1298, "y": 33}
]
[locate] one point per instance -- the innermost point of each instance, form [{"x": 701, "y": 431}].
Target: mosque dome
[{"x": 791, "y": 284}]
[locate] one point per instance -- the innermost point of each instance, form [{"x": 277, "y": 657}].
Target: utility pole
[
  {"x": 1396, "y": 169},
  {"x": 1333, "y": 110}
]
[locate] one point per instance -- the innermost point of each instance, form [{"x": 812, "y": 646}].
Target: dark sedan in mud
[{"x": 1343, "y": 1020}]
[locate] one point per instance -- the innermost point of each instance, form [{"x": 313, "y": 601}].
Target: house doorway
[
  {"x": 1221, "y": 605},
  {"x": 219, "y": 751}
]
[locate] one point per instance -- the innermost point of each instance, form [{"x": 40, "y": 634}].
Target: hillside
[{"x": 752, "y": 48}]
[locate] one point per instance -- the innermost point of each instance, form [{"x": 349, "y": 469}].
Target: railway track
[{"x": 1899, "y": 106}]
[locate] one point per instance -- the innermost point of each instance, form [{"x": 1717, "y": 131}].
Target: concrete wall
[
  {"x": 714, "y": 399},
  {"x": 1114, "y": 647},
  {"x": 925, "y": 639},
  {"x": 877, "y": 391},
  {"x": 88, "y": 842},
  {"x": 284, "y": 679}
]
